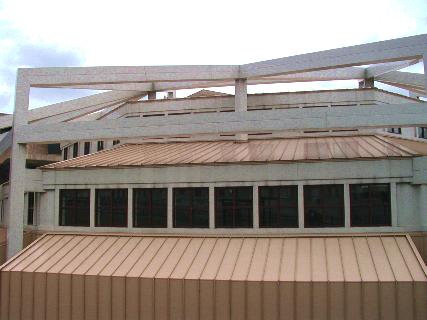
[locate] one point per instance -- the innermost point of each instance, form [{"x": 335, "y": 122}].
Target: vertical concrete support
[
  {"x": 17, "y": 169},
  {"x": 347, "y": 218},
  {"x": 170, "y": 208},
  {"x": 211, "y": 207},
  {"x": 130, "y": 207},
  {"x": 171, "y": 94},
  {"x": 425, "y": 70},
  {"x": 241, "y": 101},
  {"x": 92, "y": 208},
  {"x": 152, "y": 95},
  {"x": 301, "y": 205},
  {"x": 367, "y": 83},
  {"x": 393, "y": 204},
  {"x": 255, "y": 207}
]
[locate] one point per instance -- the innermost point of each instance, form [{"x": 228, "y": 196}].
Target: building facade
[{"x": 304, "y": 205}]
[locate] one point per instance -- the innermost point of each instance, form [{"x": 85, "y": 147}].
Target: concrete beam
[
  {"x": 377, "y": 70},
  {"x": 336, "y": 118},
  {"x": 96, "y": 100},
  {"x": 371, "y": 53},
  {"x": 41, "y": 77},
  {"x": 414, "y": 80}
]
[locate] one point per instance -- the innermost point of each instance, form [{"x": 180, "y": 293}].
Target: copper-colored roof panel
[
  {"x": 259, "y": 260},
  {"x": 244, "y": 260},
  {"x": 130, "y": 276},
  {"x": 211, "y": 152},
  {"x": 273, "y": 260}
]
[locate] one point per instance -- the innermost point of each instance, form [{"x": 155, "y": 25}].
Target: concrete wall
[{"x": 409, "y": 200}]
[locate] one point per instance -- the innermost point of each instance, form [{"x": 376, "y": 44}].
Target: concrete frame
[{"x": 140, "y": 80}]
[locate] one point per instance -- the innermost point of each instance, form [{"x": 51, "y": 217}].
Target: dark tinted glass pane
[
  {"x": 75, "y": 149},
  {"x": 370, "y": 205},
  {"x": 150, "y": 208},
  {"x": 191, "y": 207},
  {"x": 65, "y": 156},
  {"x": 30, "y": 215},
  {"x": 324, "y": 206},
  {"x": 111, "y": 208},
  {"x": 233, "y": 207},
  {"x": 54, "y": 148},
  {"x": 74, "y": 207},
  {"x": 278, "y": 207},
  {"x": 87, "y": 148}
]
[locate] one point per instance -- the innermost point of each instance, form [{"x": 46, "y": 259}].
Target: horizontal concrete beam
[
  {"x": 379, "y": 116},
  {"x": 41, "y": 77},
  {"x": 348, "y": 73}
]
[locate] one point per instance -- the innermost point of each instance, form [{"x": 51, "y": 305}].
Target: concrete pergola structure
[{"x": 52, "y": 123}]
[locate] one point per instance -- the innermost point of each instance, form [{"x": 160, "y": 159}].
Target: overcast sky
[{"x": 89, "y": 33}]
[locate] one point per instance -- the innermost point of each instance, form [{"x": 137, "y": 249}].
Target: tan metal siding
[
  {"x": 211, "y": 152},
  {"x": 138, "y": 277}
]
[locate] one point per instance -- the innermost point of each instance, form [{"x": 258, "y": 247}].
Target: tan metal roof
[
  {"x": 213, "y": 152},
  {"x": 118, "y": 277}
]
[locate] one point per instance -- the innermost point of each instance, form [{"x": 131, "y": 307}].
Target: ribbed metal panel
[
  {"x": 289, "y": 149},
  {"x": 150, "y": 277}
]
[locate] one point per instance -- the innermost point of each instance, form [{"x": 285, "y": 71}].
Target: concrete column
[
  {"x": 170, "y": 208},
  {"x": 367, "y": 83},
  {"x": 152, "y": 95},
  {"x": 255, "y": 207},
  {"x": 17, "y": 169},
  {"x": 393, "y": 204},
  {"x": 347, "y": 218},
  {"x": 241, "y": 101},
  {"x": 171, "y": 94},
  {"x": 211, "y": 207},
  {"x": 425, "y": 70},
  {"x": 130, "y": 207},
  {"x": 301, "y": 205},
  {"x": 92, "y": 208}
]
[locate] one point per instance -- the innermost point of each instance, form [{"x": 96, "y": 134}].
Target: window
[
  {"x": 233, "y": 207},
  {"x": 278, "y": 207},
  {"x": 150, "y": 208},
  {"x": 54, "y": 148},
  {"x": 31, "y": 205},
  {"x": 86, "y": 148},
  {"x": 191, "y": 207},
  {"x": 75, "y": 149},
  {"x": 370, "y": 205},
  {"x": 324, "y": 206},
  {"x": 116, "y": 142},
  {"x": 394, "y": 130},
  {"x": 111, "y": 207},
  {"x": 74, "y": 207},
  {"x": 65, "y": 156},
  {"x": 100, "y": 145},
  {"x": 422, "y": 132}
]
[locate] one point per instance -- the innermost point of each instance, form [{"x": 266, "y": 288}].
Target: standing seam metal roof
[{"x": 219, "y": 152}]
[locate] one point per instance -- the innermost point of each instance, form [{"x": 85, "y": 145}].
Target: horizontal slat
[{"x": 379, "y": 116}]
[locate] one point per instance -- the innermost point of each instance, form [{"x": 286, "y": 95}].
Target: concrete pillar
[
  {"x": 17, "y": 169},
  {"x": 171, "y": 94},
  {"x": 425, "y": 70},
  {"x": 367, "y": 83},
  {"x": 152, "y": 95},
  {"x": 241, "y": 102}
]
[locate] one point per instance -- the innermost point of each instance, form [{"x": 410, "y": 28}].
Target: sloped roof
[
  {"x": 207, "y": 93},
  {"x": 216, "y": 152},
  {"x": 118, "y": 276}
]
